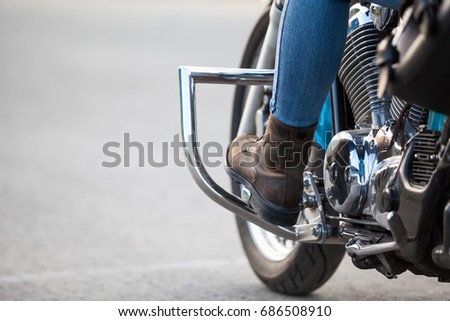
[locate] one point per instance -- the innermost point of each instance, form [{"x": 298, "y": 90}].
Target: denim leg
[{"x": 311, "y": 43}]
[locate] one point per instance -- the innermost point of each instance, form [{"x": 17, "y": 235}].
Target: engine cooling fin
[
  {"x": 417, "y": 115},
  {"x": 425, "y": 160},
  {"x": 359, "y": 72}
]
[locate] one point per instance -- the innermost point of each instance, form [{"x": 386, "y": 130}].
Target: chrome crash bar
[{"x": 189, "y": 77}]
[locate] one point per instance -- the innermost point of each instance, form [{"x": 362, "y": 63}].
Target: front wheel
[{"x": 285, "y": 266}]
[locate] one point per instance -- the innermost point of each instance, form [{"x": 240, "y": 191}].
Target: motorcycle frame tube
[
  {"x": 266, "y": 60},
  {"x": 339, "y": 108},
  {"x": 189, "y": 77}
]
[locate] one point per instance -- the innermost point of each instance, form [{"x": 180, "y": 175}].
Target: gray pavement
[{"x": 77, "y": 74}]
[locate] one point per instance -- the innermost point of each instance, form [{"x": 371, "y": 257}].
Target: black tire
[{"x": 307, "y": 266}]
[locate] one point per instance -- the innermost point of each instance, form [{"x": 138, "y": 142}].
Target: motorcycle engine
[{"x": 357, "y": 162}]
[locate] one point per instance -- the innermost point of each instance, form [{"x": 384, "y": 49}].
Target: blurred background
[{"x": 76, "y": 74}]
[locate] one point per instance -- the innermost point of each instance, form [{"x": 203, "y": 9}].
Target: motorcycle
[{"x": 377, "y": 184}]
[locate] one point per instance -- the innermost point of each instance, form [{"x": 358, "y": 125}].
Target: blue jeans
[{"x": 311, "y": 43}]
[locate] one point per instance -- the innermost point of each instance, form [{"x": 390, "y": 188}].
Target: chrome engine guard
[{"x": 190, "y": 76}]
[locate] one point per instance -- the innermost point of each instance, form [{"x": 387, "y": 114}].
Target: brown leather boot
[{"x": 271, "y": 167}]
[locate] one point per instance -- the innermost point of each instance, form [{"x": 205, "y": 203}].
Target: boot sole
[{"x": 267, "y": 210}]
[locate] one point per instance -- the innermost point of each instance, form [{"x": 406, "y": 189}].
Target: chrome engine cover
[
  {"x": 358, "y": 164},
  {"x": 349, "y": 160},
  {"x": 383, "y": 180}
]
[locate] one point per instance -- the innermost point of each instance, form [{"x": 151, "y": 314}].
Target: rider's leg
[
  {"x": 312, "y": 37},
  {"x": 311, "y": 42}
]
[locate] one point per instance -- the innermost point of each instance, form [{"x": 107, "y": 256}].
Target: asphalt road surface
[{"x": 75, "y": 75}]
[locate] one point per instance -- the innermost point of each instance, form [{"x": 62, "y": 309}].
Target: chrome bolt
[
  {"x": 246, "y": 194},
  {"x": 306, "y": 183},
  {"x": 309, "y": 200},
  {"x": 316, "y": 231},
  {"x": 433, "y": 157},
  {"x": 321, "y": 231}
]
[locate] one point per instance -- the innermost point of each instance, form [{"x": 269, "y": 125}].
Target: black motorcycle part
[
  {"x": 441, "y": 253},
  {"x": 340, "y": 109},
  {"x": 395, "y": 266},
  {"x": 421, "y": 208},
  {"x": 422, "y": 73}
]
